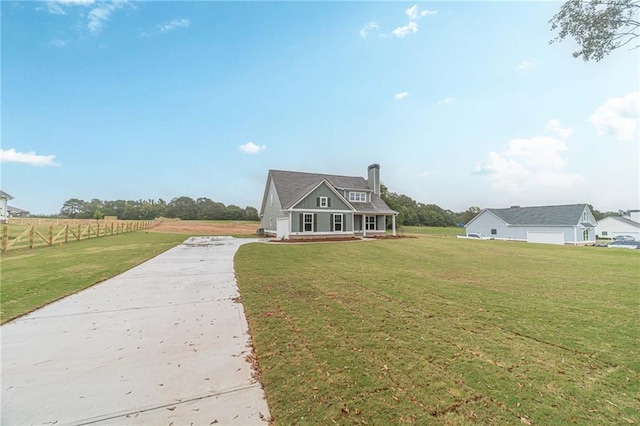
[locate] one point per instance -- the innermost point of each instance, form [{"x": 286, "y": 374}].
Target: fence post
[
  {"x": 78, "y": 234},
  {"x": 98, "y": 225},
  {"x": 31, "y": 236},
  {"x": 50, "y": 235},
  {"x": 5, "y": 238},
  {"x": 66, "y": 233},
  {"x": 111, "y": 228}
]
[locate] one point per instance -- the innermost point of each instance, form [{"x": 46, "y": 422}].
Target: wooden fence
[{"x": 34, "y": 234}]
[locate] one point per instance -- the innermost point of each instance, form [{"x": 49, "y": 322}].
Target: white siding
[
  {"x": 486, "y": 222},
  {"x": 546, "y": 237},
  {"x": 613, "y": 227},
  {"x": 272, "y": 211},
  {"x": 4, "y": 214}
]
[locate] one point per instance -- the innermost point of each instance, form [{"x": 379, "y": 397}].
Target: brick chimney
[{"x": 373, "y": 180}]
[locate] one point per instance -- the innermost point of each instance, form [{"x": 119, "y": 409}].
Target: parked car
[
  {"x": 475, "y": 235},
  {"x": 625, "y": 244},
  {"x": 624, "y": 238}
]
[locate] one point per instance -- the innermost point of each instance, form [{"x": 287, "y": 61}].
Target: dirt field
[{"x": 208, "y": 227}]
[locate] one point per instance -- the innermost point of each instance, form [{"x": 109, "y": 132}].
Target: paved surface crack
[{"x": 112, "y": 416}]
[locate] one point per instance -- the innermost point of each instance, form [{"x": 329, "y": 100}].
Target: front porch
[{"x": 372, "y": 224}]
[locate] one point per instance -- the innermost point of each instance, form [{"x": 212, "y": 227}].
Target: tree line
[
  {"x": 414, "y": 213},
  {"x": 410, "y": 211},
  {"x": 185, "y": 208}
]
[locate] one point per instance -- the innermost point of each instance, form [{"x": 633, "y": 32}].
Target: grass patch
[
  {"x": 33, "y": 278},
  {"x": 444, "y": 331},
  {"x": 447, "y": 231}
]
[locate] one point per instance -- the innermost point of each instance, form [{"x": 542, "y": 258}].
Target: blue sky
[{"x": 461, "y": 103}]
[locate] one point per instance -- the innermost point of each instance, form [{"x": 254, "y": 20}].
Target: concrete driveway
[{"x": 160, "y": 344}]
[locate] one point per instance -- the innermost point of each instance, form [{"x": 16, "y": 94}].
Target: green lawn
[
  {"x": 444, "y": 331},
  {"x": 32, "y": 278},
  {"x": 448, "y": 231}
]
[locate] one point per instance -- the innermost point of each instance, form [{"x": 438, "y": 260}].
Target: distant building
[
  {"x": 628, "y": 223},
  {"x": 566, "y": 224},
  {"x": 16, "y": 212},
  {"x": 4, "y": 208}
]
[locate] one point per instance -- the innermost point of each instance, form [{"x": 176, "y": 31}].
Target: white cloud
[
  {"x": 371, "y": 26},
  {"x": 100, "y": 15},
  {"x": 401, "y": 95},
  {"x": 618, "y": 117},
  {"x": 446, "y": 101},
  {"x": 410, "y": 28},
  {"x": 412, "y": 12},
  {"x": 58, "y": 6},
  {"x": 176, "y": 23},
  {"x": 424, "y": 174},
  {"x": 524, "y": 64},
  {"x": 12, "y": 156},
  {"x": 553, "y": 126},
  {"x": 252, "y": 148},
  {"x": 528, "y": 165}
]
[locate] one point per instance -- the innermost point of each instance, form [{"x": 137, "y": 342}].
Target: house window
[
  {"x": 358, "y": 197},
  {"x": 308, "y": 222},
  {"x": 605, "y": 233},
  {"x": 270, "y": 223},
  {"x": 494, "y": 232},
  {"x": 370, "y": 223},
  {"x": 585, "y": 235},
  {"x": 337, "y": 222},
  {"x": 272, "y": 198},
  {"x": 323, "y": 202},
  {"x": 584, "y": 216}
]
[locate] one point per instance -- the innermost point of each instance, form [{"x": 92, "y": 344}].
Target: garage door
[
  {"x": 545, "y": 237},
  {"x": 282, "y": 228}
]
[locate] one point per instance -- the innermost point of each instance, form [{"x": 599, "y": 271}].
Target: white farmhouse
[
  {"x": 566, "y": 224},
  {"x": 627, "y": 224},
  {"x": 4, "y": 208}
]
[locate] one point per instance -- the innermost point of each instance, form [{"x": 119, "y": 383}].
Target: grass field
[
  {"x": 447, "y": 231},
  {"x": 33, "y": 278},
  {"x": 17, "y": 227},
  {"x": 445, "y": 331}
]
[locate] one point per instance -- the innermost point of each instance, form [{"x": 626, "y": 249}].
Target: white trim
[
  {"x": 333, "y": 219},
  {"x": 375, "y": 223},
  {"x": 320, "y": 210},
  {"x": 366, "y": 197},
  {"x": 335, "y": 191},
  {"x": 304, "y": 222},
  {"x": 326, "y": 202}
]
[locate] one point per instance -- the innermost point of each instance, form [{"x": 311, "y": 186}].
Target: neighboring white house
[
  {"x": 627, "y": 224},
  {"x": 567, "y": 224},
  {"x": 4, "y": 209}
]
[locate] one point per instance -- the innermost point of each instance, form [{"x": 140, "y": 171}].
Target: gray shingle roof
[
  {"x": 543, "y": 215},
  {"x": 291, "y": 186},
  {"x": 624, "y": 220}
]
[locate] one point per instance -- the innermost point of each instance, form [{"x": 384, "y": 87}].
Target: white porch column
[
  {"x": 364, "y": 225},
  {"x": 393, "y": 224}
]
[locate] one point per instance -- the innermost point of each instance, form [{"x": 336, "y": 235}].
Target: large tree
[
  {"x": 72, "y": 207},
  {"x": 598, "y": 26}
]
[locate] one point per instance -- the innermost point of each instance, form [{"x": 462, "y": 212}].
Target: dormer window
[
  {"x": 358, "y": 197},
  {"x": 584, "y": 216}
]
